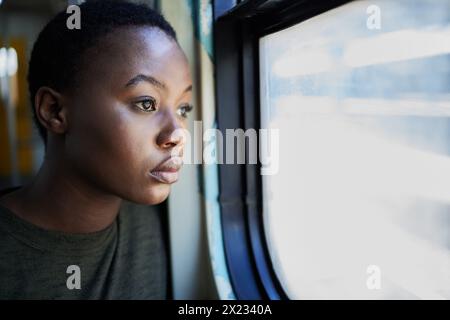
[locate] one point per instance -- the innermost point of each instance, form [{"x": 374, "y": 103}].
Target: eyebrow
[{"x": 142, "y": 77}]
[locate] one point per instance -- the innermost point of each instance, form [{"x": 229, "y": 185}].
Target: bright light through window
[{"x": 360, "y": 206}]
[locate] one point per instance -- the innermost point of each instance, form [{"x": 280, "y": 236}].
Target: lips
[{"x": 167, "y": 172}]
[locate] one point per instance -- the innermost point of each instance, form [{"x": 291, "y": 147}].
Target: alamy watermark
[
  {"x": 74, "y": 280},
  {"x": 74, "y": 20},
  {"x": 374, "y": 279},
  {"x": 235, "y": 146},
  {"x": 374, "y": 19}
]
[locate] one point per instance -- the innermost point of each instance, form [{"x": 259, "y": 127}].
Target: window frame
[{"x": 236, "y": 45}]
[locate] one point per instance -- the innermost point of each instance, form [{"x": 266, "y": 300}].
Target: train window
[{"x": 360, "y": 206}]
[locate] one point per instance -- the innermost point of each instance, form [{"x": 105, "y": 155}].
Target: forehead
[{"x": 127, "y": 52}]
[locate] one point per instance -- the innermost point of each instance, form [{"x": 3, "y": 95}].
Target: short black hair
[{"x": 57, "y": 53}]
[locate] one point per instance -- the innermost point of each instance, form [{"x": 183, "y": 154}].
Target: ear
[{"x": 51, "y": 110}]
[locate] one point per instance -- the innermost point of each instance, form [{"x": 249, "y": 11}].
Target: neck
[{"x": 60, "y": 200}]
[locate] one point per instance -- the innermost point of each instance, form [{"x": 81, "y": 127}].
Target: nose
[{"x": 172, "y": 132}]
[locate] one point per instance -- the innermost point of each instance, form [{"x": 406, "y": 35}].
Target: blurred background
[{"x": 21, "y": 150}]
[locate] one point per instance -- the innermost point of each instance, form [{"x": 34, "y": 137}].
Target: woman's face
[{"x": 134, "y": 93}]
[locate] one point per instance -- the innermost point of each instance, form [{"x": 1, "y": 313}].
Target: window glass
[{"x": 360, "y": 205}]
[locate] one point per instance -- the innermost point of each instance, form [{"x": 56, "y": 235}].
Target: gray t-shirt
[{"x": 127, "y": 260}]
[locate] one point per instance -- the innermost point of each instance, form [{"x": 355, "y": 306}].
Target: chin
[{"x": 154, "y": 196}]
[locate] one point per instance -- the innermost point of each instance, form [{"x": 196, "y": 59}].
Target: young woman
[{"x": 109, "y": 100}]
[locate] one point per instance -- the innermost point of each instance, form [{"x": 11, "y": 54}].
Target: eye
[
  {"x": 184, "y": 110},
  {"x": 147, "y": 104}
]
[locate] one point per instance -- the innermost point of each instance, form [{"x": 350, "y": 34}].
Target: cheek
[{"x": 105, "y": 145}]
